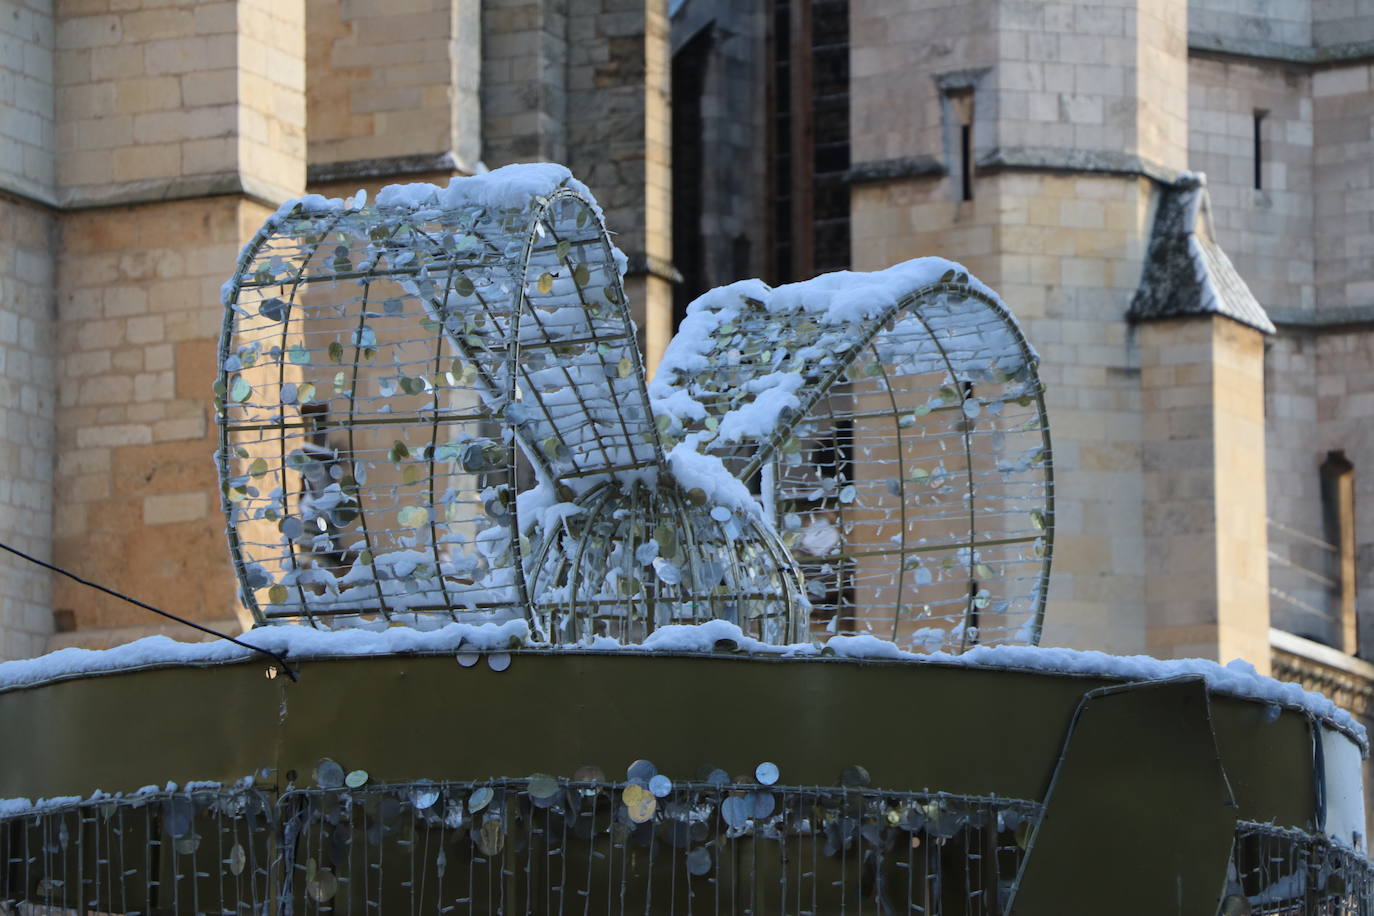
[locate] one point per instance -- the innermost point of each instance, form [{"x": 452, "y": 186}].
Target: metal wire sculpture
[
  {"x": 536, "y": 845},
  {"x": 556, "y": 845},
  {"x": 433, "y": 408}
]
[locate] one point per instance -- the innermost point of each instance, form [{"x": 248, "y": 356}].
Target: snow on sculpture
[{"x": 433, "y": 408}]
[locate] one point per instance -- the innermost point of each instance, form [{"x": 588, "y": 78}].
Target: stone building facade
[
  {"x": 142, "y": 143},
  {"x": 1211, "y": 407},
  {"x": 1037, "y": 142},
  {"x": 1212, "y": 462}
]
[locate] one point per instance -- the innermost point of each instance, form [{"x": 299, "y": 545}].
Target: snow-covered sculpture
[{"x": 433, "y": 408}]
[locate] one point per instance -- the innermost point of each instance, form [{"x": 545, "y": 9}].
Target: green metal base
[{"x": 1133, "y": 786}]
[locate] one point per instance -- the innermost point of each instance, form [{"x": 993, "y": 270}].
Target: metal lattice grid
[
  {"x": 394, "y": 378},
  {"x": 553, "y": 845},
  {"x": 201, "y": 851},
  {"x": 913, "y": 480},
  {"x": 537, "y": 845},
  {"x": 1282, "y": 872}
]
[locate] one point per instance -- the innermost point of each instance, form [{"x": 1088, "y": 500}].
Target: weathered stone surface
[
  {"x": 1186, "y": 272},
  {"x": 28, "y": 386}
]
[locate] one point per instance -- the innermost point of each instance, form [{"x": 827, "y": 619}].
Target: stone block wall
[
  {"x": 393, "y": 80},
  {"x": 1062, "y": 83},
  {"x": 587, "y": 82},
  {"x": 1345, "y": 381},
  {"x": 202, "y": 105},
  {"x": 1181, "y": 498},
  {"x": 27, "y": 385},
  {"x": 898, "y": 50},
  {"x": 524, "y": 81},
  {"x": 271, "y": 97},
  {"x": 1294, "y": 453},
  {"x": 1161, "y": 82},
  {"x": 1204, "y": 475},
  {"x": 895, "y": 220},
  {"x": 1088, "y": 79},
  {"x": 1341, "y": 23},
  {"x": 1096, "y": 89},
  {"x": 1305, "y": 244},
  {"x": 1242, "y": 570},
  {"x": 211, "y": 97},
  {"x": 1070, "y": 250},
  {"x": 1273, "y": 26},
  {"x": 163, "y": 102},
  {"x": 28, "y": 134},
  {"x": 1343, "y": 110},
  {"x": 1267, "y": 233},
  {"x": 27, "y": 349},
  {"x": 137, "y": 504},
  {"x": 1294, "y": 29},
  {"x": 181, "y": 128}
]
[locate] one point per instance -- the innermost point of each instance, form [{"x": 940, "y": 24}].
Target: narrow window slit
[
  {"x": 966, "y": 160},
  {"x": 957, "y": 111}
]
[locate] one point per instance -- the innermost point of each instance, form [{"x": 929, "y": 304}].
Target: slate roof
[{"x": 1186, "y": 272}]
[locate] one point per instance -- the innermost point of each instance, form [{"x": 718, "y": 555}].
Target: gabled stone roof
[{"x": 1186, "y": 272}]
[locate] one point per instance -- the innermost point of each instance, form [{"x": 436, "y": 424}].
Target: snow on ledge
[
  {"x": 293, "y": 642},
  {"x": 21, "y": 807},
  {"x": 1238, "y": 679}
]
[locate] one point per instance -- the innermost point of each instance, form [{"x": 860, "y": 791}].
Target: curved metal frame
[
  {"x": 910, "y": 303},
  {"x": 601, "y": 482},
  {"x": 818, "y": 387}
]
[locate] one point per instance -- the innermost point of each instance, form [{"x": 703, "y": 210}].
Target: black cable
[{"x": 148, "y": 607}]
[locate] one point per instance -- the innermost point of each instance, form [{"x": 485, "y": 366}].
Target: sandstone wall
[
  {"x": 1092, "y": 83},
  {"x": 158, "y": 103},
  {"x": 1343, "y": 106},
  {"x": 28, "y": 133},
  {"x": 1207, "y": 584},
  {"x": 898, "y": 50},
  {"x": 27, "y": 385},
  {"x": 394, "y": 81},
  {"x": 180, "y": 130},
  {"x": 1294, "y": 453},
  {"x": 28, "y": 141},
  {"x": 524, "y": 81},
  {"x": 1267, "y": 232},
  {"x": 1345, "y": 381},
  {"x": 1056, "y": 88},
  {"x": 137, "y": 497},
  {"x": 1274, "y": 26},
  {"x": 1341, "y": 24},
  {"x": 1071, "y": 250}
]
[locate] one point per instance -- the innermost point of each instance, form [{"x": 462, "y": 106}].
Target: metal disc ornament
[
  {"x": 766, "y": 773},
  {"x": 699, "y": 862},
  {"x": 480, "y": 798},
  {"x": 328, "y": 774}
]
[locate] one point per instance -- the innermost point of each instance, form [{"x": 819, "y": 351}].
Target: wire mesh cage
[
  {"x": 434, "y": 408},
  {"x": 1277, "y": 872},
  {"x": 422, "y": 399},
  {"x": 535, "y": 845},
  {"x": 894, "y": 426},
  {"x": 552, "y": 845}
]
